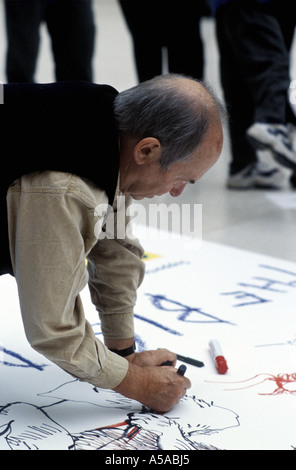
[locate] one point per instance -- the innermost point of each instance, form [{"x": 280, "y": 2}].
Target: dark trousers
[
  {"x": 155, "y": 24},
  {"x": 254, "y": 66},
  {"x": 71, "y": 27}
]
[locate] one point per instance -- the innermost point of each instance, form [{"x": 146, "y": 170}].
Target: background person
[{"x": 72, "y": 31}]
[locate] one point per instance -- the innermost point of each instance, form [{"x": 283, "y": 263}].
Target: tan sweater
[{"x": 56, "y": 222}]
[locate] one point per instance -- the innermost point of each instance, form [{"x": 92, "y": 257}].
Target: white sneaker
[
  {"x": 276, "y": 138},
  {"x": 257, "y": 175}
]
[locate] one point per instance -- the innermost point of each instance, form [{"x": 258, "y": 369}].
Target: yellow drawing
[{"x": 149, "y": 256}]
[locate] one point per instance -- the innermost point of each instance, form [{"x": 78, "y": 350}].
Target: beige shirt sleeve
[
  {"x": 116, "y": 271},
  {"x": 52, "y": 223}
]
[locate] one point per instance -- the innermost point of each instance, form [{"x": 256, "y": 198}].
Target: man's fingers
[
  {"x": 166, "y": 357},
  {"x": 187, "y": 383}
]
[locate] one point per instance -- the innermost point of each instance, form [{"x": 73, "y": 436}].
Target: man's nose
[{"x": 177, "y": 189}]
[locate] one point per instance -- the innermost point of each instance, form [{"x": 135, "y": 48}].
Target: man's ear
[{"x": 147, "y": 150}]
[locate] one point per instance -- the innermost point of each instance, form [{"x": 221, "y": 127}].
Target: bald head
[
  {"x": 200, "y": 94},
  {"x": 188, "y": 87},
  {"x": 176, "y": 110}
]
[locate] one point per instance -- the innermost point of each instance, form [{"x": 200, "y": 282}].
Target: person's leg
[
  {"x": 246, "y": 170},
  {"x": 71, "y": 27},
  {"x": 183, "y": 38},
  {"x": 287, "y": 23},
  {"x": 23, "y": 19},
  {"x": 261, "y": 53},
  {"x": 143, "y": 21},
  {"x": 237, "y": 97}
]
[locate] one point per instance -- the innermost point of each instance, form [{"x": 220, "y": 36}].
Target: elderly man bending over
[{"x": 73, "y": 147}]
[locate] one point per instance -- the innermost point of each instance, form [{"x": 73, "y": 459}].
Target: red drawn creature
[{"x": 281, "y": 381}]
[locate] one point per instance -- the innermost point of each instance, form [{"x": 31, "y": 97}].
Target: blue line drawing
[
  {"x": 20, "y": 360},
  {"x": 185, "y": 313},
  {"x": 158, "y": 325}
]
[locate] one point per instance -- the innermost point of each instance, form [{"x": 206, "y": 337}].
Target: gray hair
[{"x": 157, "y": 108}]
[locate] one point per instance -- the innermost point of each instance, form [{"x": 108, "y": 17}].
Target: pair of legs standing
[
  {"x": 71, "y": 27},
  {"x": 255, "y": 73}
]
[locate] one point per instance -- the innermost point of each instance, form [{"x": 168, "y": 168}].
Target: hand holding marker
[
  {"x": 188, "y": 360},
  {"x": 182, "y": 369},
  {"x": 217, "y": 355}
]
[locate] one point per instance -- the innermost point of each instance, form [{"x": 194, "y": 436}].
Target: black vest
[{"x": 66, "y": 126}]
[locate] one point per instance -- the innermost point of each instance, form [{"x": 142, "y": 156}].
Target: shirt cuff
[
  {"x": 117, "y": 325},
  {"x": 113, "y": 373}
]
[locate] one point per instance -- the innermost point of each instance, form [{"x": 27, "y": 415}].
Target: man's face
[
  {"x": 155, "y": 181},
  {"x": 152, "y": 180}
]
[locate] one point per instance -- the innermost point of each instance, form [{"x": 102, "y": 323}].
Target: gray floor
[{"x": 247, "y": 220}]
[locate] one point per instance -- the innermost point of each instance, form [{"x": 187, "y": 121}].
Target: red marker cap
[
  {"x": 221, "y": 364},
  {"x": 218, "y": 358}
]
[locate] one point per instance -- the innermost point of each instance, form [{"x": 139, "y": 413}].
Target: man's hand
[
  {"x": 152, "y": 358},
  {"x": 147, "y": 381},
  {"x": 157, "y": 387}
]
